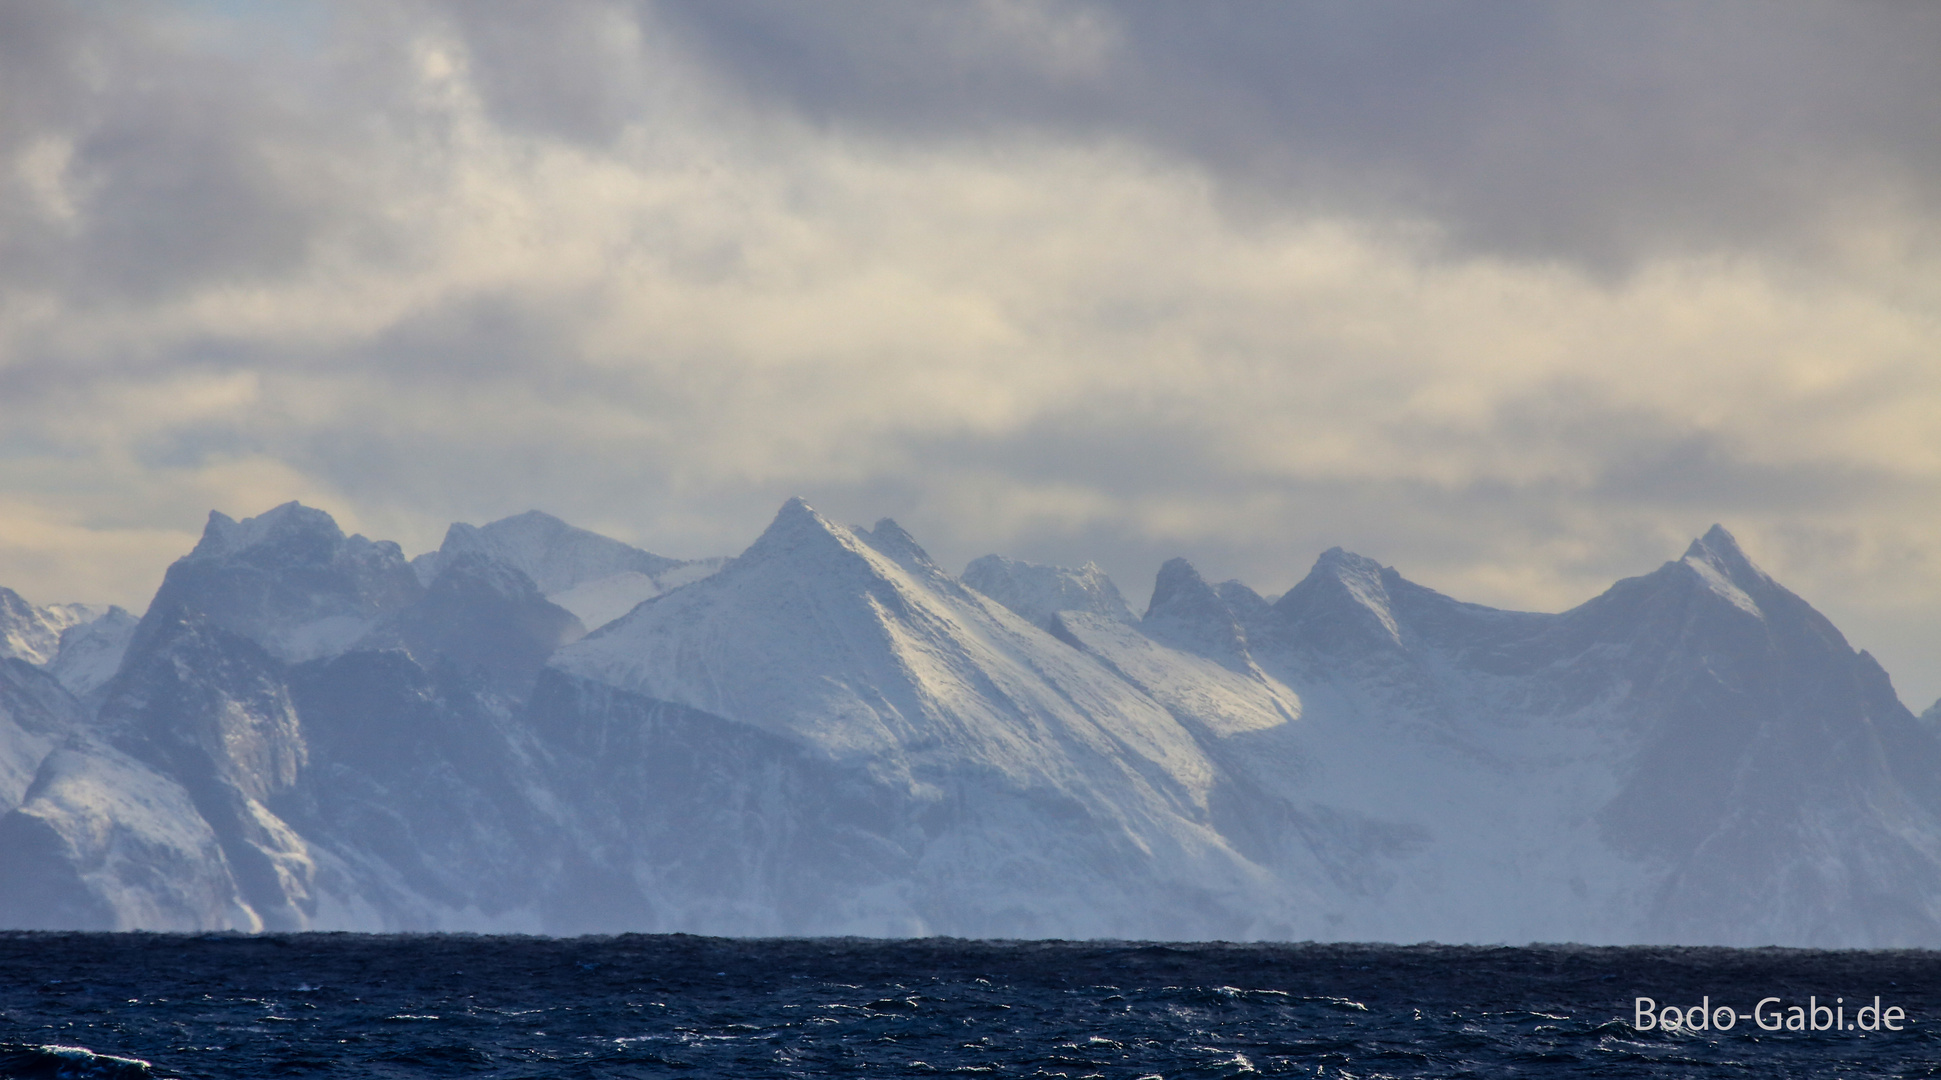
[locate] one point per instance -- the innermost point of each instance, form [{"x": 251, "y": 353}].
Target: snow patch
[
  {"x": 91, "y": 652},
  {"x": 602, "y": 600},
  {"x": 1722, "y": 586}
]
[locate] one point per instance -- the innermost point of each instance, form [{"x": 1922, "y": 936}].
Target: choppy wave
[
  {"x": 107, "y": 1006},
  {"x": 56, "y": 1062}
]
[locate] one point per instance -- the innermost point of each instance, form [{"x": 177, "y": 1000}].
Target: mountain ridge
[{"x": 829, "y": 733}]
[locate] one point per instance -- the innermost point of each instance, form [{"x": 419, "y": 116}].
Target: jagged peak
[
  {"x": 995, "y": 563},
  {"x": 461, "y": 536},
  {"x": 1722, "y": 564},
  {"x": 895, "y": 541},
  {"x": 1341, "y": 575},
  {"x": 800, "y": 541},
  {"x": 1090, "y": 571},
  {"x": 1722, "y": 550},
  {"x": 1361, "y": 575},
  {"x": 1242, "y": 600},
  {"x": 796, "y": 528},
  {"x": 1188, "y": 614},
  {"x": 225, "y": 536},
  {"x": 1339, "y": 561},
  {"x": 288, "y": 579},
  {"x": 1176, "y": 583}
]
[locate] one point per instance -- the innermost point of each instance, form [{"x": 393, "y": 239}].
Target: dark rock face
[
  {"x": 706, "y": 823},
  {"x": 485, "y": 617},
  {"x": 1777, "y": 773},
  {"x": 425, "y": 787},
  {"x": 33, "y": 701},
  {"x": 208, "y": 708},
  {"x": 1187, "y": 614}
]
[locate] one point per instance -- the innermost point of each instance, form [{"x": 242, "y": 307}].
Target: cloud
[
  {"x": 1517, "y": 298},
  {"x": 1603, "y": 134}
]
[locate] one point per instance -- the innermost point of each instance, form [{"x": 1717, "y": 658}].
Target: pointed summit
[
  {"x": 795, "y": 516},
  {"x": 1178, "y": 586},
  {"x": 820, "y": 633},
  {"x": 1344, "y": 598},
  {"x": 1722, "y": 551},
  {"x": 890, "y": 539},
  {"x": 798, "y": 528},
  {"x": 1187, "y": 614},
  {"x": 1719, "y": 561}
]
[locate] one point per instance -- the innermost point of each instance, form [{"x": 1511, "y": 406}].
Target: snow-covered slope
[
  {"x": 1663, "y": 763},
  {"x": 1025, "y": 772},
  {"x": 555, "y": 555},
  {"x": 830, "y": 734},
  {"x": 91, "y": 838},
  {"x": 596, "y": 578},
  {"x": 602, "y": 600},
  {"x": 35, "y": 717},
  {"x": 32, "y": 633},
  {"x": 80, "y": 644},
  {"x": 104, "y": 842},
  {"x": 91, "y": 652}
]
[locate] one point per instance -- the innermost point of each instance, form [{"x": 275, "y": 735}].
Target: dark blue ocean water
[{"x": 341, "y": 1005}]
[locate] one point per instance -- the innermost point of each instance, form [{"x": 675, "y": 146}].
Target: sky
[{"x": 1517, "y": 297}]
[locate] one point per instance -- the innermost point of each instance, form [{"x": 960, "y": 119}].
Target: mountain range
[{"x": 535, "y": 728}]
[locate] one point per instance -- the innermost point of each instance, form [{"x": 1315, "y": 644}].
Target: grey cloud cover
[
  {"x": 1518, "y": 296},
  {"x": 1597, "y": 132}
]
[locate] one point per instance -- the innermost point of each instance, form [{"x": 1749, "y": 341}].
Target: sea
[{"x": 438, "y": 1005}]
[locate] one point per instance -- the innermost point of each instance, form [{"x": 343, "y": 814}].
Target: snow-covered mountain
[
  {"x": 1695, "y": 755},
  {"x": 33, "y": 634},
  {"x": 1004, "y": 772},
  {"x": 831, "y": 734},
  {"x": 81, "y": 645},
  {"x": 596, "y": 578}
]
